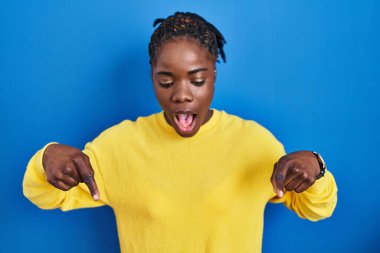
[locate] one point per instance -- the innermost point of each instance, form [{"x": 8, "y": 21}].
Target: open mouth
[{"x": 185, "y": 121}]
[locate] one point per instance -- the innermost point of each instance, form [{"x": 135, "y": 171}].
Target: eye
[
  {"x": 198, "y": 83},
  {"x": 166, "y": 84}
]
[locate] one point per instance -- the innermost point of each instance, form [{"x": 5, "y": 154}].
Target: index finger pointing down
[
  {"x": 92, "y": 186},
  {"x": 279, "y": 181},
  {"x": 278, "y": 177},
  {"x": 87, "y": 174}
]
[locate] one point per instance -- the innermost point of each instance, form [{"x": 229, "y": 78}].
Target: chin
[{"x": 187, "y": 135}]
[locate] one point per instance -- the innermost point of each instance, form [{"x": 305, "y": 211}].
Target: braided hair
[{"x": 191, "y": 25}]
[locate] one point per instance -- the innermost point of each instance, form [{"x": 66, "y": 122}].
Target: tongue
[{"x": 185, "y": 120}]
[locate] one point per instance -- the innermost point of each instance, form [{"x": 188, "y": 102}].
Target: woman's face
[{"x": 183, "y": 76}]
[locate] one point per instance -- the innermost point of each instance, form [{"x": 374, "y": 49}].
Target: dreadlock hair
[{"x": 191, "y": 25}]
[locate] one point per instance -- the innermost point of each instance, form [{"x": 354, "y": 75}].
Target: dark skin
[
  {"x": 67, "y": 166},
  {"x": 183, "y": 76}
]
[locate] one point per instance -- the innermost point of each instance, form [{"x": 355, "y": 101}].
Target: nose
[{"x": 182, "y": 93}]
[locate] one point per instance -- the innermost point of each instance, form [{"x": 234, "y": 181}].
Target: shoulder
[
  {"x": 245, "y": 127},
  {"x": 249, "y": 133},
  {"x": 127, "y": 129}
]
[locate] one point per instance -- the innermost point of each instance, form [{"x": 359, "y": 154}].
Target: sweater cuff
[{"x": 321, "y": 184}]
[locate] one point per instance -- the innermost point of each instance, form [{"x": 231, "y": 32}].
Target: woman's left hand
[{"x": 295, "y": 172}]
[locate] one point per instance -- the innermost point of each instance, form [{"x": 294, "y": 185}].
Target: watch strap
[{"x": 322, "y": 165}]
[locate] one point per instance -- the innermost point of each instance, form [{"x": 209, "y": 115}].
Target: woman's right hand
[{"x": 66, "y": 167}]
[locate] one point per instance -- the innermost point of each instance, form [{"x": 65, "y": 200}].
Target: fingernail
[{"x": 95, "y": 197}]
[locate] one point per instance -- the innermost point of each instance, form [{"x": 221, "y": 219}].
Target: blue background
[{"x": 307, "y": 70}]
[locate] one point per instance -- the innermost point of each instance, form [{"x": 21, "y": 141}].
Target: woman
[{"x": 190, "y": 178}]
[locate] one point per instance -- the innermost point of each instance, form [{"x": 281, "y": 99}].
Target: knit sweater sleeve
[
  {"x": 37, "y": 189},
  {"x": 316, "y": 203}
]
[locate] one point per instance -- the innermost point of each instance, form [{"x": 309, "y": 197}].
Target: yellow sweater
[{"x": 201, "y": 194}]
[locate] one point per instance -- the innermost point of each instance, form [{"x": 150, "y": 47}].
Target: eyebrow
[
  {"x": 164, "y": 73},
  {"x": 196, "y": 71},
  {"x": 191, "y": 72}
]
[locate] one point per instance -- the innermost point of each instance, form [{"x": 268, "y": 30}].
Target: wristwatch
[{"x": 322, "y": 165}]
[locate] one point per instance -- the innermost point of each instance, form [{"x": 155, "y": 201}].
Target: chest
[{"x": 178, "y": 178}]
